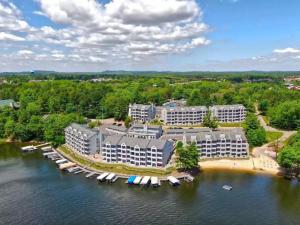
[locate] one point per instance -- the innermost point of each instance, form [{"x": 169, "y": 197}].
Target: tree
[
  {"x": 263, "y": 106},
  {"x": 251, "y": 122},
  {"x": 188, "y": 156},
  {"x": 289, "y": 158},
  {"x": 256, "y": 137},
  {"x": 128, "y": 121},
  {"x": 210, "y": 121}
]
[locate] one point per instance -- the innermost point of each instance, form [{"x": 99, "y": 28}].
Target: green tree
[
  {"x": 128, "y": 121},
  {"x": 188, "y": 156},
  {"x": 256, "y": 137},
  {"x": 210, "y": 121}
]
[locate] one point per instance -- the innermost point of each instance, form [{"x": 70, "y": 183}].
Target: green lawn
[
  {"x": 230, "y": 124},
  {"x": 273, "y": 135},
  {"x": 116, "y": 168}
]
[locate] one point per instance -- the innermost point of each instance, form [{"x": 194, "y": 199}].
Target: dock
[
  {"x": 91, "y": 174},
  {"x": 67, "y": 165},
  {"x": 173, "y": 181},
  {"x": 46, "y": 149}
]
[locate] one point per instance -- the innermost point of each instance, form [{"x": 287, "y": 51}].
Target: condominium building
[
  {"x": 183, "y": 115},
  {"x": 139, "y": 131},
  {"x": 145, "y": 131},
  {"x": 82, "y": 139},
  {"x": 220, "y": 144},
  {"x": 142, "y": 113},
  {"x": 137, "y": 151},
  {"x": 229, "y": 113}
]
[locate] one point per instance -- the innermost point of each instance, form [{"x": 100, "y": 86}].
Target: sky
[{"x": 143, "y": 35}]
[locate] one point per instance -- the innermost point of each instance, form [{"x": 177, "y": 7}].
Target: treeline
[
  {"x": 289, "y": 156},
  {"x": 73, "y": 100}
]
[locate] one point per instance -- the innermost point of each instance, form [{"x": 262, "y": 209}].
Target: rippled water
[{"x": 34, "y": 191}]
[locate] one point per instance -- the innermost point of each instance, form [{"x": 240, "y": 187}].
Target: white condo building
[
  {"x": 183, "y": 115},
  {"x": 141, "y": 112},
  {"x": 229, "y": 113},
  {"x": 219, "y": 144},
  {"x": 137, "y": 151},
  {"x": 82, "y": 139}
]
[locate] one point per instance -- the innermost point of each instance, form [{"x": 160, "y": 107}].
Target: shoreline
[{"x": 232, "y": 165}]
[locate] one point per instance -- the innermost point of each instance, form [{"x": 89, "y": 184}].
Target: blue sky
[{"x": 178, "y": 35}]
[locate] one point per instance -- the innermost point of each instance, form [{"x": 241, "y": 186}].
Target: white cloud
[
  {"x": 286, "y": 50},
  {"x": 10, "y": 37},
  {"x": 25, "y": 52}
]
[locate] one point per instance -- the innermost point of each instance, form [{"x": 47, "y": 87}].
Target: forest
[{"x": 48, "y": 105}]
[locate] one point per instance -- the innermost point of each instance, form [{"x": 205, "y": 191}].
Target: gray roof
[
  {"x": 113, "y": 140},
  {"x": 139, "y": 126},
  {"x": 237, "y": 106},
  {"x": 132, "y": 142},
  {"x": 140, "y": 106},
  {"x": 231, "y": 134},
  {"x": 83, "y": 129},
  {"x": 117, "y": 128},
  {"x": 191, "y": 130},
  {"x": 186, "y": 109}
]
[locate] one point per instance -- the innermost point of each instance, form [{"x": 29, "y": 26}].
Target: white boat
[
  {"x": 173, "y": 181},
  {"x": 102, "y": 177},
  {"x": 137, "y": 180},
  {"x": 60, "y": 161},
  {"x": 154, "y": 182},
  {"x": 227, "y": 187},
  {"x": 111, "y": 178},
  {"x": 145, "y": 181},
  {"x": 29, "y": 148}
]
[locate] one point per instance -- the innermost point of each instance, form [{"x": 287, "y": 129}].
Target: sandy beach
[{"x": 261, "y": 164}]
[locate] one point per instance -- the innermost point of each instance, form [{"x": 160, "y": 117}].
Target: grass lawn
[
  {"x": 230, "y": 124},
  {"x": 273, "y": 135},
  {"x": 116, "y": 168}
]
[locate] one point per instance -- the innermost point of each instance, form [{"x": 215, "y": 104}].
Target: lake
[{"x": 34, "y": 191}]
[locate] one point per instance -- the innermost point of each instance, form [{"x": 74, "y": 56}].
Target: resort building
[
  {"x": 83, "y": 139},
  {"x": 219, "y": 144},
  {"x": 183, "y": 115},
  {"x": 229, "y": 113},
  {"x": 145, "y": 131},
  {"x": 142, "y": 113},
  {"x": 137, "y": 151}
]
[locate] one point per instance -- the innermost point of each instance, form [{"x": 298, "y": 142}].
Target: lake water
[{"x": 34, "y": 191}]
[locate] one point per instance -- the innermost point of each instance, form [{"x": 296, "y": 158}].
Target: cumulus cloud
[
  {"x": 286, "y": 50},
  {"x": 120, "y": 31},
  {"x": 10, "y": 37}
]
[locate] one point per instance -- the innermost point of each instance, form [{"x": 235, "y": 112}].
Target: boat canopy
[
  {"x": 137, "y": 180},
  {"x": 131, "y": 179},
  {"x": 145, "y": 180},
  {"x": 102, "y": 176},
  {"x": 173, "y": 180}
]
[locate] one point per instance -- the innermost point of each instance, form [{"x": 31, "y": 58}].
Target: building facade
[
  {"x": 137, "y": 151},
  {"x": 82, "y": 139},
  {"x": 229, "y": 113},
  {"x": 183, "y": 115},
  {"x": 142, "y": 113},
  {"x": 219, "y": 144}
]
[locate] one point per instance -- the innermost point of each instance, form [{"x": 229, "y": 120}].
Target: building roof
[
  {"x": 117, "y": 128},
  {"x": 231, "y": 134},
  {"x": 237, "y": 106},
  {"x": 132, "y": 142},
  {"x": 83, "y": 129},
  {"x": 186, "y": 109},
  {"x": 140, "y": 106},
  {"x": 187, "y": 131}
]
